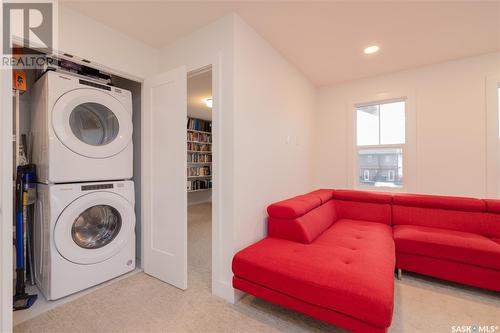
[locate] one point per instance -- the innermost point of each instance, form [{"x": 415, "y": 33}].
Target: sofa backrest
[
  {"x": 452, "y": 213},
  {"x": 302, "y": 218},
  {"x": 305, "y": 217},
  {"x": 493, "y": 218},
  {"x": 363, "y": 205}
]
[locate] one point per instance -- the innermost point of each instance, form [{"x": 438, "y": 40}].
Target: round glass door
[
  {"x": 94, "y": 124},
  {"x": 96, "y": 227}
]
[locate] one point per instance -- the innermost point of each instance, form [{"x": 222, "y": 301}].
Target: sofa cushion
[
  {"x": 306, "y": 228},
  {"x": 299, "y": 205},
  {"x": 440, "y": 202},
  {"x": 349, "y": 269},
  {"x": 458, "y": 246}
]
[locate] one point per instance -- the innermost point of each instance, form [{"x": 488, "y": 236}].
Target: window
[{"x": 381, "y": 137}]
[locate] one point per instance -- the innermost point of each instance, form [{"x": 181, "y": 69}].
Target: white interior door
[{"x": 164, "y": 178}]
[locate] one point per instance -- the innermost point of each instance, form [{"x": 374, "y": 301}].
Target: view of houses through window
[{"x": 380, "y": 132}]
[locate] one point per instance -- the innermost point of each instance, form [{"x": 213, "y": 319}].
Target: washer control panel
[{"x": 96, "y": 187}]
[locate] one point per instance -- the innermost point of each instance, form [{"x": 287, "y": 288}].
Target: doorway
[{"x": 199, "y": 177}]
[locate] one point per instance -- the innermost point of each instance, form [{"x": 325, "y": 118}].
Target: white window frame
[
  {"x": 492, "y": 186},
  {"x": 410, "y": 180}
]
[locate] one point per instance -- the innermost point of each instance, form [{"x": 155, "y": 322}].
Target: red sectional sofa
[
  {"x": 456, "y": 239},
  {"x": 331, "y": 254}
]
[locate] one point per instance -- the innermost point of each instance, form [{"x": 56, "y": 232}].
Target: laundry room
[{"x": 77, "y": 163}]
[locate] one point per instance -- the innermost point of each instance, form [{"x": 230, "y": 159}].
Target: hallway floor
[{"x": 141, "y": 303}]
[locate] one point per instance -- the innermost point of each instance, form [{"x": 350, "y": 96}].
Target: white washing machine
[
  {"x": 82, "y": 129},
  {"x": 84, "y": 235}
]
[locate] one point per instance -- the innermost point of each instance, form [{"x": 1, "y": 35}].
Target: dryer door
[
  {"x": 94, "y": 227},
  {"x": 92, "y": 123}
]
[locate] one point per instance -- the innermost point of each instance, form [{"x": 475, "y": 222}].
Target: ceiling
[
  {"x": 199, "y": 87},
  {"x": 324, "y": 39}
]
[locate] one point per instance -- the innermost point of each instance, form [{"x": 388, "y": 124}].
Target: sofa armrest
[
  {"x": 292, "y": 230},
  {"x": 306, "y": 228}
]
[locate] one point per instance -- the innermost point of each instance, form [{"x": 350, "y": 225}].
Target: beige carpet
[{"x": 141, "y": 303}]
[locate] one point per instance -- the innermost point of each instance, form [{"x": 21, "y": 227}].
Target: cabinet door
[{"x": 164, "y": 198}]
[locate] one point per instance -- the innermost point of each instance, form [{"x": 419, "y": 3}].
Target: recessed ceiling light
[
  {"x": 208, "y": 102},
  {"x": 371, "y": 49}
]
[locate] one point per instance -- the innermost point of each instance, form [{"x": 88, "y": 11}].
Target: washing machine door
[
  {"x": 94, "y": 227},
  {"x": 92, "y": 123}
]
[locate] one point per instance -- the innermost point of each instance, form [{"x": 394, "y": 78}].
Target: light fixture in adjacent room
[
  {"x": 208, "y": 102},
  {"x": 371, "y": 49}
]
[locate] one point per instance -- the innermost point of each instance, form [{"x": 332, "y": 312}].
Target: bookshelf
[{"x": 199, "y": 155}]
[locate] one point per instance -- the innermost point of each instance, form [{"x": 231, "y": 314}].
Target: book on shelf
[
  {"x": 199, "y": 171},
  {"x": 199, "y": 137},
  {"x": 199, "y": 125},
  {"x": 199, "y": 184},
  {"x": 201, "y": 147},
  {"x": 199, "y": 158}
]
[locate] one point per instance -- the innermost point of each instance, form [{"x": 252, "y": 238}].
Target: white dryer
[
  {"x": 84, "y": 235},
  {"x": 82, "y": 130}
]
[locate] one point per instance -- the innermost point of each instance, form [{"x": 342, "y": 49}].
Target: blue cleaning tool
[{"x": 21, "y": 300}]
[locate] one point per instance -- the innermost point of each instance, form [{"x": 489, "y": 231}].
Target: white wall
[
  {"x": 450, "y": 125},
  {"x": 274, "y": 113},
  {"x": 86, "y": 38}
]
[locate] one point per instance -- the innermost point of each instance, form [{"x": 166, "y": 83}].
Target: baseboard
[{"x": 225, "y": 291}]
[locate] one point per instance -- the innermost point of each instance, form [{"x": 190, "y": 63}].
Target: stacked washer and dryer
[{"x": 82, "y": 147}]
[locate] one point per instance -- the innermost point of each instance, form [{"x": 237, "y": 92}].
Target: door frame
[
  {"x": 221, "y": 240},
  {"x": 6, "y": 201},
  {"x": 492, "y": 186},
  {"x": 216, "y": 200}
]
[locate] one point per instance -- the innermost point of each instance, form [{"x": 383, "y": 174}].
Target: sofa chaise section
[{"x": 322, "y": 259}]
